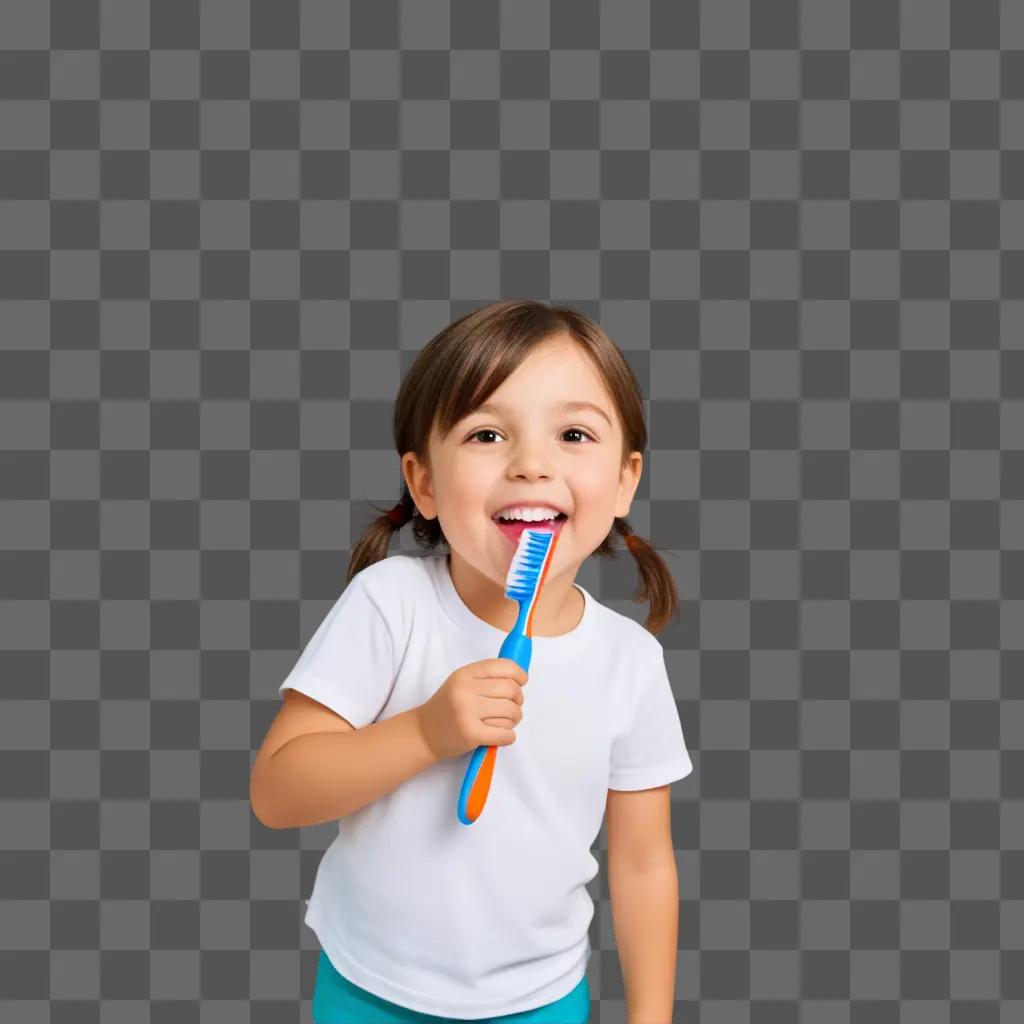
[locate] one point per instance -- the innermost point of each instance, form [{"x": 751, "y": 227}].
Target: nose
[
  {"x": 529, "y": 468},
  {"x": 523, "y": 472},
  {"x": 529, "y": 462}
]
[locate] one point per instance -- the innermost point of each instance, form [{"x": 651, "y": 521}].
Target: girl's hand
[{"x": 478, "y": 705}]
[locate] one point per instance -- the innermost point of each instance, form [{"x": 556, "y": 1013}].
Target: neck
[{"x": 558, "y": 610}]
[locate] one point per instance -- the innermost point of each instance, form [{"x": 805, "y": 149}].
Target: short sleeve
[
  {"x": 349, "y": 663},
  {"x": 649, "y": 750}
]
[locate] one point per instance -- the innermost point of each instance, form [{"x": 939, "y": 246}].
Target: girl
[{"x": 517, "y": 409}]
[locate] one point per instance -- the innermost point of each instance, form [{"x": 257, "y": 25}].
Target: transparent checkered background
[{"x": 226, "y": 229}]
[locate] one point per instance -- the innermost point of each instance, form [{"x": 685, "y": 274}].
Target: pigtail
[
  {"x": 656, "y": 582},
  {"x": 373, "y": 545}
]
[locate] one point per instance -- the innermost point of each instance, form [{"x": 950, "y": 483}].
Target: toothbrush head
[{"x": 529, "y": 567}]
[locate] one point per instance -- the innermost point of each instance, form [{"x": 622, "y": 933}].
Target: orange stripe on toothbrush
[
  {"x": 540, "y": 583},
  {"x": 481, "y": 784}
]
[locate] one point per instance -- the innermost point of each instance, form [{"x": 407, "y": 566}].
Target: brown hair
[{"x": 458, "y": 369}]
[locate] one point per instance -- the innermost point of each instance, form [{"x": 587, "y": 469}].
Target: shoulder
[
  {"x": 624, "y": 646},
  {"x": 384, "y": 570},
  {"x": 625, "y": 633},
  {"x": 391, "y": 581}
]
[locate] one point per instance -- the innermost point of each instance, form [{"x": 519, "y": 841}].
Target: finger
[
  {"x": 502, "y": 689},
  {"x": 505, "y": 666},
  {"x": 516, "y": 697},
  {"x": 500, "y": 723}
]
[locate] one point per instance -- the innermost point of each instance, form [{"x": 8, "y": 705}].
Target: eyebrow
[{"x": 561, "y": 407}]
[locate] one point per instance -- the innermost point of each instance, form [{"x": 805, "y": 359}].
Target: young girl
[{"x": 516, "y": 406}]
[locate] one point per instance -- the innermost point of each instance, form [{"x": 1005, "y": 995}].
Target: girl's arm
[
  {"x": 314, "y": 767},
  {"x": 645, "y": 914},
  {"x": 644, "y": 888}
]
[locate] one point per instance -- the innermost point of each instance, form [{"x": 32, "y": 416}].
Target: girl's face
[{"x": 521, "y": 447}]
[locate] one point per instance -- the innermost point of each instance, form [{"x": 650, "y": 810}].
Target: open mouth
[{"x": 513, "y": 528}]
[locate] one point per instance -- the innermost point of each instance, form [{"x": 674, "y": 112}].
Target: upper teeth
[{"x": 529, "y": 514}]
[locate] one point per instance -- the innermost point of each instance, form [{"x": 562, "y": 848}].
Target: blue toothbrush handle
[{"x": 477, "y": 782}]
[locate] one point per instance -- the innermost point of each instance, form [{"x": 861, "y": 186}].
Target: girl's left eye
[{"x": 491, "y": 430}]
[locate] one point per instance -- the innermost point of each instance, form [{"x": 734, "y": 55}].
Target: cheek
[
  {"x": 594, "y": 513},
  {"x": 465, "y": 503},
  {"x": 593, "y": 495},
  {"x": 463, "y": 484}
]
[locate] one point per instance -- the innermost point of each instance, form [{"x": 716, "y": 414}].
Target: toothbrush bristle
[{"x": 525, "y": 572}]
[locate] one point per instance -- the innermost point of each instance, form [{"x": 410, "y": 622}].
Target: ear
[
  {"x": 628, "y": 483},
  {"x": 417, "y": 479}
]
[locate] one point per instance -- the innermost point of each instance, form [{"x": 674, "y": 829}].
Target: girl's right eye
[{"x": 482, "y": 430}]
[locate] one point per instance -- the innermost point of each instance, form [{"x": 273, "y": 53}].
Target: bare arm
[
  {"x": 644, "y": 887},
  {"x": 645, "y": 912},
  {"x": 325, "y": 775}
]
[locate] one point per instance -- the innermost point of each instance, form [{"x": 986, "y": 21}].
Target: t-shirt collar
[{"x": 465, "y": 618}]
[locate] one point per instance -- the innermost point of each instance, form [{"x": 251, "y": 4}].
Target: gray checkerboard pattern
[{"x": 227, "y": 227}]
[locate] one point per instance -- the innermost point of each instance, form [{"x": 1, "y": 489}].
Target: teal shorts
[{"x": 337, "y": 1001}]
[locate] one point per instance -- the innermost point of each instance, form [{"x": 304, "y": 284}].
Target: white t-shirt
[{"x": 492, "y": 918}]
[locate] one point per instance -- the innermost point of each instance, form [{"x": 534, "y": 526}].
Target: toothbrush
[{"x": 525, "y": 578}]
